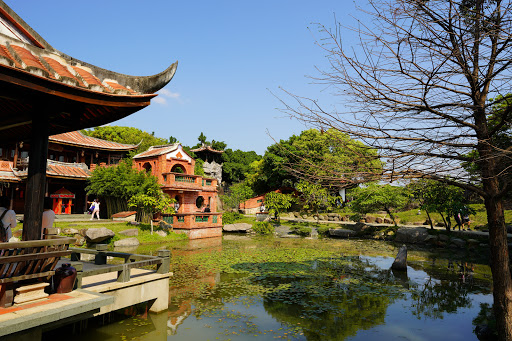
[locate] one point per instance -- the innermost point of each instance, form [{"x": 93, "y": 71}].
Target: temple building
[
  {"x": 72, "y": 157},
  {"x": 46, "y": 92},
  {"x": 196, "y": 195},
  {"x": 212, "y": 158}
]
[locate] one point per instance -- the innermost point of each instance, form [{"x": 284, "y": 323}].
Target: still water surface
[{"x": 255, "y": 288}]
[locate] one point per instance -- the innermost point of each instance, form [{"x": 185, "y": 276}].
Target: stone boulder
[
  {"x": 322, "y": 217},
  {"x": 70, "y": 231},
  {"x": 444, "y": 238},
  {"x": 359, "y": 227},
  {"x": 238, "y": 227},
  {"x": 345, "y": 218},
  {"x": 369, "y": 219},
  {"x": 379, "y": 220},
  {"x": 130, "y": 232},
  {"x": 342, "y": 233},
  {"x": 136, "y": 223},
  {"x": 411, "y": 235},
  {"x": 97, "y": 235},
  {"x": 79, "y": 239},
  {"x": 161, "y": 233},
  {"x": 126, "y": 242},
  {"x": 388, "y": 221},
  {"x": 400, "y": 262},
  {"x": 164, "y": 225},
  {"x": 458, "y": 242}
]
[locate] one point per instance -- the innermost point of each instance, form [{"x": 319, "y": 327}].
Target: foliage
[
  {"x": 236, "y": 165},
  {"x": 231, "y": 217},
  {"x": 151, "y": 202},
  {"x": 375, "y": 197},
  {"x": 127, "y": 135},
  {"x": 198, "y": 168},
  {"x": 116, "y": 185},
  {"x": 217, "y": 145},
  {"x": 444, "y": 199},
  {"x": 323, "y": 231},
  {"x": 236, "y": 194},
  {"x": 314, "y": 197},
  {"x": 317, "y": 155},
  {"x": 302, "y": 230},
  {"x": 277, "y": 203},
  {"x": 263, "y": 227}
]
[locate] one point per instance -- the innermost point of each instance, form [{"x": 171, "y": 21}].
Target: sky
[{"x": 234, "y": 57}]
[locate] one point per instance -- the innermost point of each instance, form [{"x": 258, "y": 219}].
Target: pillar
[{"x": 36, "y": 179}]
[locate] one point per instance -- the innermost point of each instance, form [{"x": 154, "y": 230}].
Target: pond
[{"x": 264, "y": 288}]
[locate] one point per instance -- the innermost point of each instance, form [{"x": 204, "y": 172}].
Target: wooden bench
[{"x": 27, "y": 260}]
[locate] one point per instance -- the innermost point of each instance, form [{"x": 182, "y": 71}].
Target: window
[
  {"x": 24, "y": 154},
  {"x": 61, "y": 158},
  {"x": 199, "y": 202}
]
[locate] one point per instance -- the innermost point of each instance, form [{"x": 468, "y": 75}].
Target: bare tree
[{"x": 421, "y": 87}]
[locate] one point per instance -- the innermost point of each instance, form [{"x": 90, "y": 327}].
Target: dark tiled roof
[
  {"x": 206, "y": 148},
  {"x": 62, "y": 170},
  {"x": 76, "y": 138}
]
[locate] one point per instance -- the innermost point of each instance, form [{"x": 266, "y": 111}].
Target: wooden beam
[{"x": 36, "y": 179}]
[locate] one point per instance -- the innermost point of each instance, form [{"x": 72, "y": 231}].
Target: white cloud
[{"x": 164, "y": 94}]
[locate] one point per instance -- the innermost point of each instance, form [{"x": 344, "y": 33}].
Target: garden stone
[
  {"x": 430, "y": 239},
  {"x": 388, "y": 221},
  {"x": 379, "y": 220},
  {"x": 130, "y": 232},
  {"x": 458, "y": 242},
  {"x": 79, "y": 239},
  {"x": 369, "y": 219},
  {"x": 341, "y": 233},
  {"x": 96, "y": 235},
  {"x": 296, "y": 214},
  {"x": 321, "y": 217},
  {"x": 332, "y": 214},
  {"x": 359, "y": 227},
  {"x": 70, "y": 231},
  {"x": 165, "y": 225},
  {"x": 444, "y": 238},
  {"x": 126, "y": 242},
  {"x": 411, "y": 235},
  {"x": 440, "y": 224},
  {"x": 400, "y": 262},
  {"x": 330, "y": 218},
  {"x": 161, "y": 233},
  {"x": 472, "y": 242},
  {"x": 336, "y": 218},
  {"x": 238, "y": 227},
  {"x": 344, "y": 218},
  {"x": 136, "y": 223}
]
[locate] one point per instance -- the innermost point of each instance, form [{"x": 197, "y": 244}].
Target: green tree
[
  {"x": 322, "y": 157},
  {"x": 116, "y": 185},
  {"x": 127, "y": 135},
  {"x": 277, "y": 203},
  {"x": 237, "y": 165},
  {"x": 150, "y": 202},
  {"x": 375, "y": 197},
  {"x": 314, "y": 197},
  {"x": 236, "y": 194}
]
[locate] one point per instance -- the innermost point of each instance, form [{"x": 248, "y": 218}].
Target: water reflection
[{"x": 317, "y": 290}]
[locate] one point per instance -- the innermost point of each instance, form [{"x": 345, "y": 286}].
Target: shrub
[
  {"x": 323, "y": 231},
  {"x": 231, "y": 217},
  {"x": 302, "y": 231},
  {"x": 263, "y": 227}
]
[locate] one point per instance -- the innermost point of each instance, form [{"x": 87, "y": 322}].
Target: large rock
[
  {"x": 238, "y": 227},
  {"x": 79, "y": 239},
  {"x": 70, "y": 231},
  {"x": 379, "y": 220},
  {"x": 388, "y": 221},
  {"x": 369, "y": 219},
  {"x": 126, "y": 242},
  {"x": 411, "y": 235},
  {"x": 161, "y": 233},
  {"x": 164, "y": 225},
  {"x": 96, "y": 235},
  {"x": 400, "y": 262},
  {"x": 458, "y": 242},
  {"x": 341, "y": 233},
  {"x": 359, "y": 227},
  {"x": 130, "y": 232}
]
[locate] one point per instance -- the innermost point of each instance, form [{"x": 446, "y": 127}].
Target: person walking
[
  {"x": 8, "y": 218},
  {"x": 96, "y": 209}
]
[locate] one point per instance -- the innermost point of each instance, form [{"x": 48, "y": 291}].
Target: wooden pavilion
[{"x": 46, "y": 92}]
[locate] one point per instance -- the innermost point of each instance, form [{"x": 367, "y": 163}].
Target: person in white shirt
[
  {"x": 8, "y": 219},
  {"x": 48, "y": 214},
  {"x": 96, "y": 209}
]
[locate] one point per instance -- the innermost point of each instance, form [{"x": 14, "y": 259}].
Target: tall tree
[{"x": 421, "y": 88}]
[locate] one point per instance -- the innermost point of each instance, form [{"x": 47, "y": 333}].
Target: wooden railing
[
  {"x": 193, "y": 220},
  {"x": 101, "y": 254}
]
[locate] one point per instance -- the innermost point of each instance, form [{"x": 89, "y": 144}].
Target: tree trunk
[
  {"x": 502, "y": 280},
  {"x": 429, "y": 220},
  {"x": 391, "y": 216},
  {"x": 445, "y": 223}
]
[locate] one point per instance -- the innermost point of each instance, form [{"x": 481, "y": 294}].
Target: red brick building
[{"x": 196, "y": 195}]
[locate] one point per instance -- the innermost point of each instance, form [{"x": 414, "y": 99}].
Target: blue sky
[{"x": 232, "y": 56}]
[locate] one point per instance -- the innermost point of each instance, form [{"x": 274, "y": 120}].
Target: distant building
[
  {"x": 253, "y": 205},
  {"x": 212, "y": 161},
  {"x": 196, "y": 195},
  {"x": 72, "y": 157}
]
